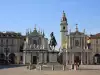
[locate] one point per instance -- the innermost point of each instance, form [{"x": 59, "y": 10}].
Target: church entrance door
[
  {"x": 34, "y": 59},
  {"x": 76, "y": 59}
]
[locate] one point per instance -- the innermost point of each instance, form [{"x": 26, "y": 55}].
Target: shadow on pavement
[
  {"x": 89, "y": 69},
  {"x": 9, "y": 66}
]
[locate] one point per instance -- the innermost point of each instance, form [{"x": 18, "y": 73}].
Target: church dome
[{"x": 34, "y": 33}]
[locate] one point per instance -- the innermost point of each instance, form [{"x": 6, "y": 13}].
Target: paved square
[{"x": 24, "y": 71}]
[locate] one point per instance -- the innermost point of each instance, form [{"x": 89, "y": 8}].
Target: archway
[
  {"x": 96, "y": 59},
  {"x": 12, "y": 58},
  {"x": 2, "y": 58}
]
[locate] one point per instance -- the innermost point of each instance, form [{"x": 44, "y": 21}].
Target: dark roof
[
  {"x": 96, "y": 36},
  {"x": 10, "y": 34}
]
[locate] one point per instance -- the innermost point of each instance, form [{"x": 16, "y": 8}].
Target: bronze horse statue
[{"x": 53, "y": 42}]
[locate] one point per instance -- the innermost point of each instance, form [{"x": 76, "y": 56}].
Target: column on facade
[
  {"x": 24, "y": 58},
  {"x": 72, "y": 42},
  {"x": 87, "y": 57},
  {"x": 69, "y": 41},
  {"x": 84, "y": 58},
  {"x": 81, "y": 58},
  {"x": 84, "y": 39},
  {"x": 67, "y": 58},
  {"x": 43, "y": 57},
  {"x": 91, "y": 58},
  {"x": 72, "y": 58},
  {"x": 18, "y": 61},
  {"x": 64, "y": 56},
  {"x": 31, "y": 57},
  {"x": 84, "y": 48},
  {"x": 81, "y": 43}
]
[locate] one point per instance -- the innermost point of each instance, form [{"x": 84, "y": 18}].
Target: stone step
[
  {"x": 68, "y": 67},
  {"x": 49, "y": 67}
]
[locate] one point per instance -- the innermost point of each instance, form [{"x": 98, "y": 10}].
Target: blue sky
[{"x": 18, "y": 15}]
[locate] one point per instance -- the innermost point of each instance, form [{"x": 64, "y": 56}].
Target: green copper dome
[{"x": 34, "y": 33}]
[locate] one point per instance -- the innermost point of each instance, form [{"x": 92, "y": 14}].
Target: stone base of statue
[{"x": 52, "y": 56}]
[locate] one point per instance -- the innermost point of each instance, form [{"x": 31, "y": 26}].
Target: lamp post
[{"x": 6, "y": 54}]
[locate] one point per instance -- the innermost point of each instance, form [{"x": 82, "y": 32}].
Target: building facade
[
  {"x": 35, "y": 47},
  {"x": 74, "y": 44},
  {"x": 95, "y": 46},
  {"x": 11, "y": 47}
]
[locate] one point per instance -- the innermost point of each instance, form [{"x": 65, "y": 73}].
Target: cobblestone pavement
[{"x": 23, "y": 71}]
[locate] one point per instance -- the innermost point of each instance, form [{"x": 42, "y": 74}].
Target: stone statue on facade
[{"x": 53, "y": 42}]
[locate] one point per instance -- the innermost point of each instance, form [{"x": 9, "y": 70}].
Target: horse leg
[
  {"x": 53, "y": 47},
  {"x": 50, "y": 47}
]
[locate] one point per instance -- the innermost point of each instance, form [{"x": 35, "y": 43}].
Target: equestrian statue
[{"x": 53, "y": 42}]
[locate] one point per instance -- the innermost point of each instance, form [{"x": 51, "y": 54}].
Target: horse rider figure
[{"x": 53, "y": 42}]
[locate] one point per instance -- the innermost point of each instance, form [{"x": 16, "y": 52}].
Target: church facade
[
  {"x": 75, "y": 45},
  {"x": 35, "y": 47}
]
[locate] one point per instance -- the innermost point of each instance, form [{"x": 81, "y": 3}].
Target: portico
[{"x": 78, "y": 54}]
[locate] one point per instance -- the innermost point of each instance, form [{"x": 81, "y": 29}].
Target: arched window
[{"x": 35, "y": 42}]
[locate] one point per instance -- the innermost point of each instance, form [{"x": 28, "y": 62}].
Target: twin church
[
  {"x": 34, "y": 47},
  {"x": 73, "y": 44}
]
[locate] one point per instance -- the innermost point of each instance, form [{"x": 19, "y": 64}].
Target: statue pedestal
[{"x": 52, "y": 56}]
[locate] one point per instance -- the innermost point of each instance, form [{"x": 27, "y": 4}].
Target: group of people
[{"x": 75, "y": 66}]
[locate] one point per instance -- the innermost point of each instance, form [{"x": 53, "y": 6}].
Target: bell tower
[{"x": 64, "y": 30}]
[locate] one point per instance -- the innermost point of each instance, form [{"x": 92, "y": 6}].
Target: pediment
[{"x": 77, "y": 33}]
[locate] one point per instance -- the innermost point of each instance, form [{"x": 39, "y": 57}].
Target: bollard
[
  {"x": 40, "y": 67},
  {"x": 29, "y": 67},
  {"x": 63, "y": 67},
  {"x": 53, "y": 67},
  {"x": 72, "y": 66}
]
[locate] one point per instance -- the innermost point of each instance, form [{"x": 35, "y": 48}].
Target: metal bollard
[
  {"x": 53, "y": 67},
  {"x": 63, "y": 67},
  {"x": 40, "y": 67}
]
